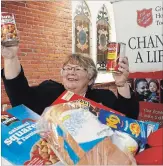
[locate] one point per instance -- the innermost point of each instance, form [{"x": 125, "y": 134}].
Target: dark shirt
[{"x": 39, "y": 97}]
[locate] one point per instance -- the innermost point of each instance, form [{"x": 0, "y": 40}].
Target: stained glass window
[
  {"x": 82, "y": 28},
  {"x": 102, "y": 25}
]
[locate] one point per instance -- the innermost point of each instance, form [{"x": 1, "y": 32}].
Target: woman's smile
[{"x": 72, "y": 79}]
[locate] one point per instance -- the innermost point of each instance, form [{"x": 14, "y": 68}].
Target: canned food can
[
  {"x": 115, "y": 50},
  {"x": 9, "y": 36}
]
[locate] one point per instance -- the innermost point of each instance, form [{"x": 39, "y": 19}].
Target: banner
[{"x": 139, "y": 25}]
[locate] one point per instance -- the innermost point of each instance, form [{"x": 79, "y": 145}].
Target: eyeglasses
[{"x": 77, "y": 69}]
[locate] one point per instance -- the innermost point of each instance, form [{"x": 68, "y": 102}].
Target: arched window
[
  {"x": 82, "y": 28},
  {"x": 103, "y": 28}
]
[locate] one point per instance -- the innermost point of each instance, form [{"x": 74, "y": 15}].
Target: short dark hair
[{"x": 137, "y": 81}]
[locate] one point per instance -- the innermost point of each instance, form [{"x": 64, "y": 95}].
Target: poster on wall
[
  {"x": 140, "y": 28},
  {"x": 149, "y": 93}
]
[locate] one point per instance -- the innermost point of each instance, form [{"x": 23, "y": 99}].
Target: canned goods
[
  {"x": 9, "y": 35},
  {"x": 115, "y": 50}
]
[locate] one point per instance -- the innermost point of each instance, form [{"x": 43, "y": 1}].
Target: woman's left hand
[{"x": 121, "y": 78}]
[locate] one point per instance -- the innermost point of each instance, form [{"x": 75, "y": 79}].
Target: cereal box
[
  {"x": 20, "y": 141},
  {"x": 67, "y": 96}
]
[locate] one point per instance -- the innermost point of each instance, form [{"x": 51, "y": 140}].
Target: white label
[
  {"x": 6, "y": 19},
  {"x": 84, "y": 126},
  {"x": 68, "y": 96}
]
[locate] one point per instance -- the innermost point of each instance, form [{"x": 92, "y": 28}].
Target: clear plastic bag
[{"x": 78, "y": 138}]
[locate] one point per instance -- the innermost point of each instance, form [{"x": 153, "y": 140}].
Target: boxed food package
[
  {"x": 78, "y": 138},
  {"x": 20, "y": 141},
  {"x": 136, "y": 129},
  {"x": 67, "y": 96},
  {"x": 130, "y": 135}
]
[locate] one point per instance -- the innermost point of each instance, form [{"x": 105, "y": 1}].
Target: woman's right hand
[
  {"x": 9, "y": 52},
  {"x": 12, "y": 65}
]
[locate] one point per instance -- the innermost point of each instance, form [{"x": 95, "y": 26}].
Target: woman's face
[
  {"x": 75, "y": 78},
  {"x": 153, "y": 87},
  {"x": 142, "y": 88}
]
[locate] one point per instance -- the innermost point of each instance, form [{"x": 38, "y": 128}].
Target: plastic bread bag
[
  {"x": 78, "y": 138},
  {"x": 125, "y": 142}
]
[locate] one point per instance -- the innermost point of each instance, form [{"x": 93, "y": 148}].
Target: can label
[
  {"x": 9, "y": 35},
  {"x": 115, "y": 50}
]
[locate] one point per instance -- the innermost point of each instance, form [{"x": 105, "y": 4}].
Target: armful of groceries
[{"x": 79, "y": 137}]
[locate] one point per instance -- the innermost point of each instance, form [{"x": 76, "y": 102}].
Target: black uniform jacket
[{"x": 43, "y": 95}]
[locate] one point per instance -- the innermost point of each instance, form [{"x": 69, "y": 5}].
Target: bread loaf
[{"x": 69, "y": 147}]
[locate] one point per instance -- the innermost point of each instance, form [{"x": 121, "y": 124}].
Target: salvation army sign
[
  {"x": 144, "y": 17},
  {"x": 139, "y": 25}
]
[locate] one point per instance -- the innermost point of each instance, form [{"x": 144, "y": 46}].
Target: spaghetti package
[{"x": 78, "y": 138}]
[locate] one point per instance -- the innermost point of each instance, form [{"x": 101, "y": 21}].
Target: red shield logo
[{"x": 144, "y": 17}]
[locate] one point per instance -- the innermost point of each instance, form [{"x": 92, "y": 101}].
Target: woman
[{"x": 78, "y": 75}]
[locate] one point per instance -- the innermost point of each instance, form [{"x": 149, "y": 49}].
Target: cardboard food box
[
  {"x": 136, "y": 129},
  {"x": 20, "y": 141},
  {"x": 67, "y": 96}
]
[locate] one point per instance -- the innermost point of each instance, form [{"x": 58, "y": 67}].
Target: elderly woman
[{"x": 78, "y": 75}]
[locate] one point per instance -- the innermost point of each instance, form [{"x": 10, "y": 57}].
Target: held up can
[
  {"x": 9, "y": 36},
  {"x": 115, "y": 50}
]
